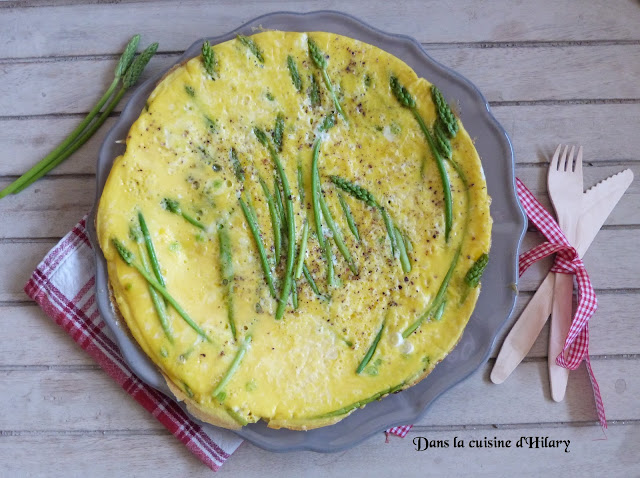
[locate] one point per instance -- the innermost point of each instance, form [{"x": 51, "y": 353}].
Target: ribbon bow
[{"x": 567, "y": 261}]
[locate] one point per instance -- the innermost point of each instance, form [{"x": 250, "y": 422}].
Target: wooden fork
[{"x": 564, "y": 183}]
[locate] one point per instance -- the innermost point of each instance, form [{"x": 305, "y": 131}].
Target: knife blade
[{"x": 597, "y": 204}]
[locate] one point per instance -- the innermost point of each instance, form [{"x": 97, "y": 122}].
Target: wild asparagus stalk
[
  {"x": 275, "y": 219},
  {"x": 151, "y": 250},
  {"x": 405, "y": 99},
  {"x": 125, "y": 60},
  {"x": 477, "y": 269},
  {"x": 440, "y": 296},
  {"x": 347, "y": 214},
  {"x": 312, "y": 283},
  {"x": 302, "y": 250},
  {"x": 371, "y": 351},
  {"x": 337, "y": 235},
  {"x": 158, "y": 302},
  {"x": 404, "y": 258},
  {"x": 364, "y": 195},
  {"x": 295, "y": 75},
  {"x": 173, "y": 206},
  {"x": 255, "y": 231},
  {"x": 291, "y": 231},
  {"x": 314, "y": 91},
  {"x": 278, "y": 132},
  {"x": 130, "y": 78},
  {"x": 360, "y": 403},
  {"x": 448, "y": 121},
  {"x": 294, "y": 294},
  {"x": 235, "y": 163},
  {"x": 226, "y": 262},
  {"x": 321, "y": 62},
  {"x": 252, "y": 46},
  {"x": 233, "y": 367},
  {"x": 129, "y": 258}
]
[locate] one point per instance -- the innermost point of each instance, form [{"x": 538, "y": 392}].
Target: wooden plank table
[{"x": 554, "y": 71}]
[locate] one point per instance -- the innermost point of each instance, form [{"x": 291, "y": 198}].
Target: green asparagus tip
[
  {"x": 171, "y": 205},
  {"x": 253, "y": 48},
  {"x": 316, "y": 55},
  {"x": 126, "y": 255},
  {"x": 477, "y": 269},
  {"x": 127, "y": 56},
  {"x": 401, "y": 93},
  {"x": 133, "y": 73},
  {"x": 209, "y": 59},
  {"x": 261, "y": 135}
]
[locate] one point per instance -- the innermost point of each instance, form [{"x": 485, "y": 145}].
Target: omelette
[{"x": 298, "y": 227}]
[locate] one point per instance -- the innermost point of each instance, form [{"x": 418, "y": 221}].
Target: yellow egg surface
[{"x": 227, "y": 140}]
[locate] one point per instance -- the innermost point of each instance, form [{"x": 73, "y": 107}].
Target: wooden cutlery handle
[
  {"x": 560, "y": 324},
  {"x": 525, "y": 331}
]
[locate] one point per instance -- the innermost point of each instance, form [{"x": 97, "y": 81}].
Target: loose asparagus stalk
[
  {"x": 405, "y": 99},
  {"x": 251, "y": 45},
  {"x": 130, "y": 78},
  {"x": 371, "y": 350},
  {"x": 209, "y": 59},
  {"x": 440, "y": 296},
  {"x": 173, "y": 206},
  {"x": 125, "y": 60},
  {"x": 290, "y": 219},
  {"x": 295, "y": 76},
  {"x": 226, "y": 262},
  {"x": 234, "y": 366},
  {"x": 255, "y": 231},
  {"x": 129, "y": 258},
  {"x": 158, "y": 302},
  {"x": 321, "y": 62},
  {"x": 275, "y": 218},
  {"x": 347, "y": 214}
]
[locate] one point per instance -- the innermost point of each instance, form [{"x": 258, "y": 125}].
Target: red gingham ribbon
[{"x": 567, "y": 261}]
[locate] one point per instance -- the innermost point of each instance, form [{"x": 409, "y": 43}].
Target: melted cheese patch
[{"x": 303, "y": 366}]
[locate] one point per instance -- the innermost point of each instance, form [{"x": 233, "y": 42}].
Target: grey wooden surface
[{"x": 554, "y": 71}]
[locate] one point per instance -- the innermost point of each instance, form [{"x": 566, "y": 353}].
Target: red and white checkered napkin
[{"x": 64, "y": 286}]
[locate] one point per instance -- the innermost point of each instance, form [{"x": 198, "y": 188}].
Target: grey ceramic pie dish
[{"x": 496, "y": 299}]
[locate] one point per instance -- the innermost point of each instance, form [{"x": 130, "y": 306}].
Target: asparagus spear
[
  {"x": 448, "y": 121},
  {"x": 251, "y": 45},
  {"x": 302, "y": 250},
  {"x": 364, "y": 195},
  {"x": 235, "y": 163},
  {"x": 321, "y": 62},
  {"x": 312, "y": 283},
  {"x": 129, "y": 258},
  {"x": 135, "y": 233},
  {"x": 290, "y": 219},
  {"x": 209, "y": 59},
  {"x": 329, "y": 254},
  {"x": 477, "y": 269},
  {"x": 440, "y": 296},
  {"x": 294, "y": 294},
  {"x": 278, "y": 132},
  {"x": 347, "y": 214},
  {"x": 130, "y": 78},
  {"x": 405, "y": 99},
  {"x": 151, "y": 250},
  {"x": 295, "y": 76},
  {"x": 226, "y": 262},
  {"x": 371, "y": 350},
  {"x": 337, "y": 235},
  {"x": 125, "y": 60},
  {"x": 314, "y": 92},
  {"x": 233, "y": 367},
  {"x": 173, "y": 206},
  {"x": 275, "y": 218},
  {"x": 404, "y": 258},
  {"x": 255, "y": 230},
  {"x": 360, "y": 403}
]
